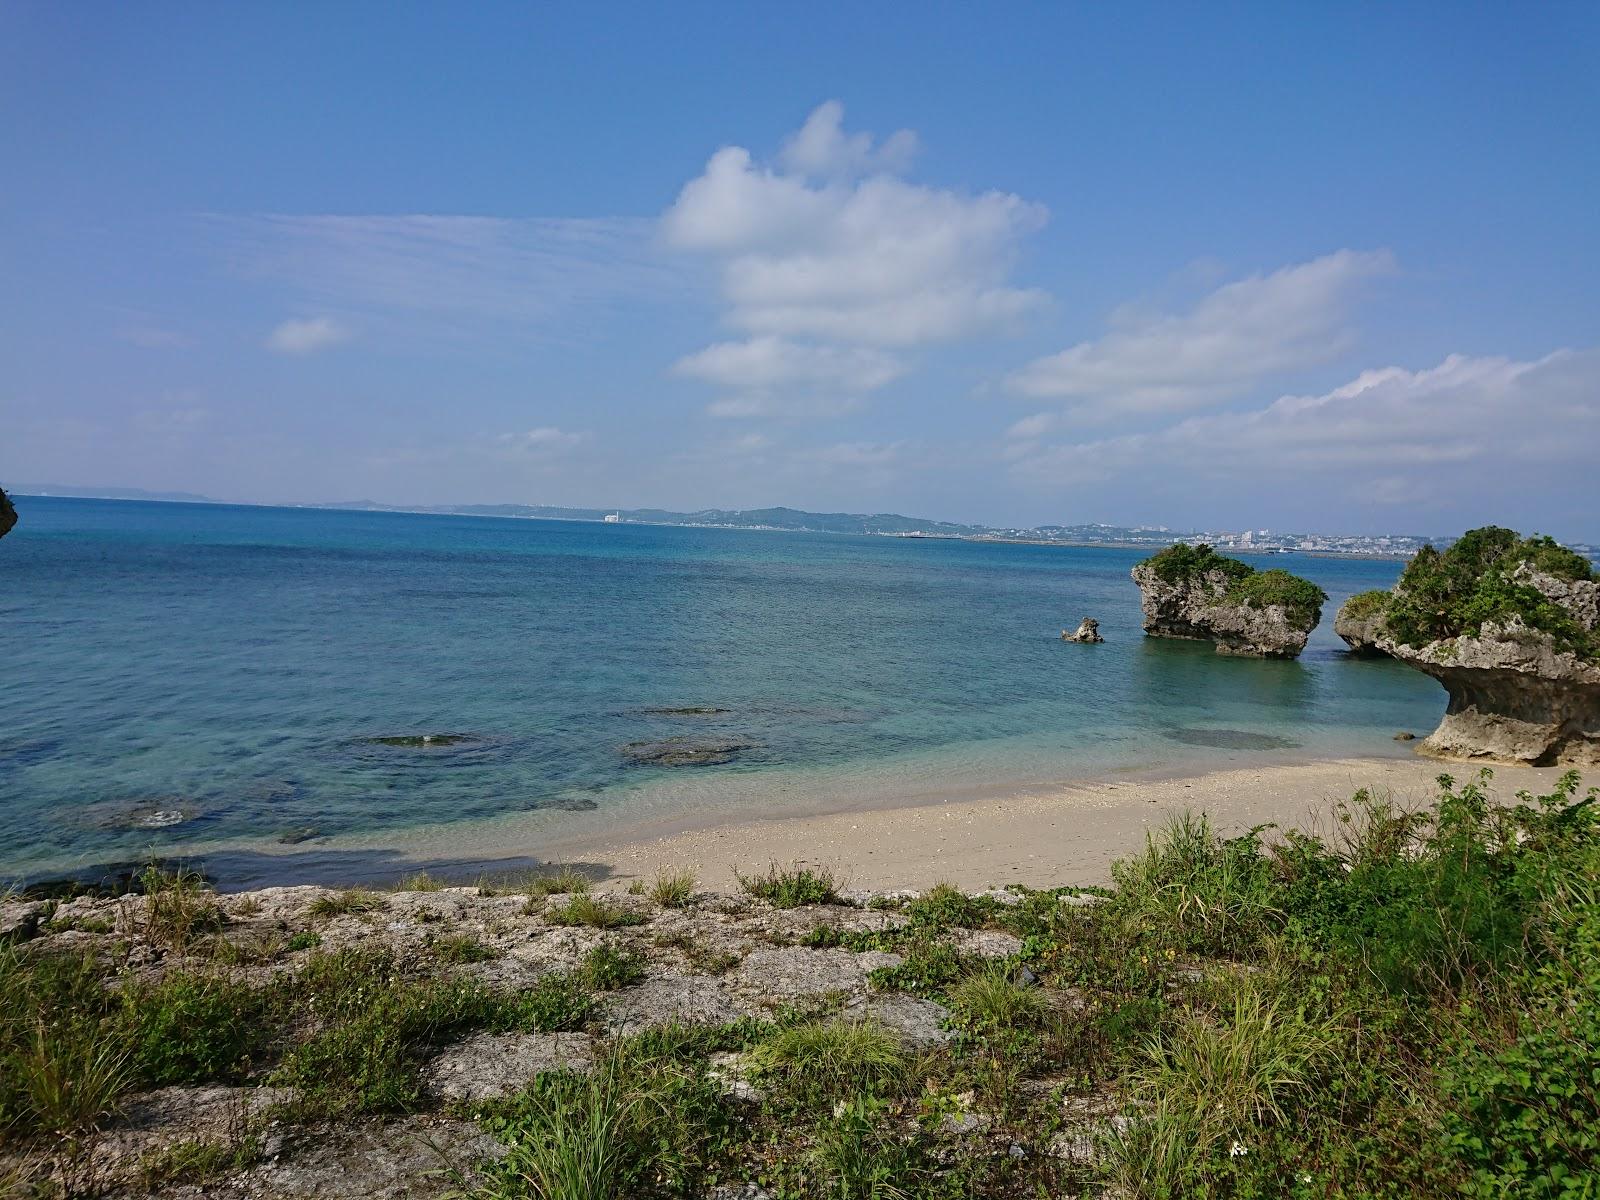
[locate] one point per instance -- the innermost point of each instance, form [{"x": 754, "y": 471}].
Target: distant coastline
[{"x": 1391, "y": 547}]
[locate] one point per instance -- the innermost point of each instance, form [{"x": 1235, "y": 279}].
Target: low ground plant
[
  {"x": 673, "y": 889},
  {"x": 792, "y": 886}
]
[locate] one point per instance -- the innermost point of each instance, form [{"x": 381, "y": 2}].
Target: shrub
[
  {"x": 1364, "y": 605},
  {"x": 673, "y": 889},
  {"x": 1181, "y": 562},
  {"x": 1454, "y": 594},
  {"x": 1300, "y": 598},
  {"x": 945, "y": 905},
  {"x": 791, "y": 887}
]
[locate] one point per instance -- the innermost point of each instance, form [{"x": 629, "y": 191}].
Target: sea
[{"x": 188, "y": 679}]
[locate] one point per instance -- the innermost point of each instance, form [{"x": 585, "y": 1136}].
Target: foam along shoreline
[{"x": 1067, "y": 834}]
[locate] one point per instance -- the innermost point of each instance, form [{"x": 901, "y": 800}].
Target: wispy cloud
[
  {"x": 544, "y": 441},
  {"x": 1239, "y": 334},
  {"x": 453, "y": 270},
  {"x": 307, "y": 335},
  {"x": 834, "y": 266}
]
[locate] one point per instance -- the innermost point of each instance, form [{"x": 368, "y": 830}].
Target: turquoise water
[{"x": 223, "y": 667}]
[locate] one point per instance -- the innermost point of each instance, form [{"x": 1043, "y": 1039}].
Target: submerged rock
[
  {"x": 1360, "y": 623},
  {"x": 422, "y": 741},
  {"x": 684, "y": 752},
  {"x": 692, "y": 710},
  {"x": 8, "y": 514},
  {"x": 1088, "y": 631},
  {"x": 1511, "y": 627},
  {"x": 1192, "y": 592}
]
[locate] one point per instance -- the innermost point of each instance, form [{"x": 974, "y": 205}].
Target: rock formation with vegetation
[
  {"x": 1408, "y": 1007},
  {"x": 1360, "y": 622},
  {"x": 1195, "y": 593},
  {"x": 1511, "y": 627},
  {"x": 8, "y": 513}
]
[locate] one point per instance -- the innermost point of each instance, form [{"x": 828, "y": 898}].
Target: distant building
[{"x": 613, "y": 518}]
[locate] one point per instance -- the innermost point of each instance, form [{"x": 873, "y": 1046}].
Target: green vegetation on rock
[
  {"x": 1471, "y": 584},
  {"x": 1181, "y": 562},
  {"x": 1364, "y": 605},
  {"x": 1300, "y": 598}
]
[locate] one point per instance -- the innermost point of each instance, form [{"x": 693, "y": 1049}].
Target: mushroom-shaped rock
[
  {"x": 1195, "y": 593},
  {"x": 1360, "y": 622},
  {"x": 1088, "y": 631},
  {"x": 1511, "y": 627}
]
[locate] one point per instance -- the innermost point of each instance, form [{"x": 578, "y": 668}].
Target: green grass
[
  {"x": 593, "y": 911},
  {"x": 565, "y": 881},
  {"x": 792, "y": 886},
  {"x": 990, "y": 1000},
  {"x": 673, "y": 889},
  {"x": 607, "y": 968},
  {"x": 831, "y": 1059},
  {"x": 351, "y": 900},
  {"x": 420, "y": 882},
  {"x": 179, "y": 907},
  {"x": 462, "y": 948}
]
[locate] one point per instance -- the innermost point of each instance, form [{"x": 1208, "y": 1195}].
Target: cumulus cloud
[
  {"x": 1468, "y": 427},
  {"x": 1237, "y": 335},
  {"x": 307, "y": 335},
  {"x": 831, "y": 249}
]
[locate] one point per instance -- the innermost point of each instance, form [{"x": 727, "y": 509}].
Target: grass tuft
[
  {"x": 792, "y": 886},
  {"x": 351, "y": 900},
  {"x": 673, "y": 889},
  {"x": 593, "y": 911}
]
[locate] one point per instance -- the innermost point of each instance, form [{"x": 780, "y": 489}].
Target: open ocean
[{"x": 223, "y": 668}]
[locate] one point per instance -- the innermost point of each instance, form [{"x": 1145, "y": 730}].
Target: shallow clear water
[{"x": 225, "y": 664}]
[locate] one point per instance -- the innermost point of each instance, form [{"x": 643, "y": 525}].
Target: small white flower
[{"x": 1237, "y": 1150}]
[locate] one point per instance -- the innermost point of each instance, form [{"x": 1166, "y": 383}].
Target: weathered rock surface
[
  {"x": 1088, "y": 631},
  {"x": 1360, "y": 624},
  {"x": 8, "y": 514},
  {"x": 1193, "y": 609},
  {"x": 495, "y": 1065}
]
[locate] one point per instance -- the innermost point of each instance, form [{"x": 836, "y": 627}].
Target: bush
[
  {"x": 791, "y": 887},
  {"x": 193, "y": 1028},
  {"x": 1300, "y": 598},
  {"x": 1181, "y": 562},
  {"x": 1454, "y": 594},
  {"x": 1365, "y": 605}
]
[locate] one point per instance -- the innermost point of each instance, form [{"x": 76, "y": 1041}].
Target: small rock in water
[
  {"x": 1088, "y": 631},
  {"x": 684, "y": 752},
  {"x": 1403, "y": 736},
  {"x": 692, "y": 710},
  {"x": 293, "y": 837},
  {"x": 422, "y": 740}
]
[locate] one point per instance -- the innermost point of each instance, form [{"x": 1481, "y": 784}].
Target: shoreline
[{"x": 1061, "y": 834}]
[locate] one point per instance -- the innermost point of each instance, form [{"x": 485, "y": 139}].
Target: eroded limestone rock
[
  {"x": 1088, "y": 631},
  {"x": 1191, "y": 592}
]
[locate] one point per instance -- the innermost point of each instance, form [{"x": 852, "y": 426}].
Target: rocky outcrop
[
  {"x": 1088, "y": 631},
  {"x": 1194, "y": 593},
  {"x": 1511, "y": 628},
  {"x": 8, "y": 514},
  {"x": 1360, "y": 623}
]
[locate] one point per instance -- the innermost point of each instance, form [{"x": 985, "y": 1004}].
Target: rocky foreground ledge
[{"x": 243, "y": 1007}]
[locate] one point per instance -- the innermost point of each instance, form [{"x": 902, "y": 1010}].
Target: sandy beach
[{"x": 1067, "y": 835}]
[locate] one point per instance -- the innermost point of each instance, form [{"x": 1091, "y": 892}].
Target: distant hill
[{"x": 744, "y": 518}]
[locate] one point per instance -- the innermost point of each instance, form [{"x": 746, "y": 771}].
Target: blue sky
[{"x": 1315, "y": 267}]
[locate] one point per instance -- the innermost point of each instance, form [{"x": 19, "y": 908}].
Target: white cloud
[
  {"x": 546, "y": 440},
  {"x": 822, "y": 148},
  {"x": 857, "y": 454},
  {"x": 768, "y": 362},
  {"x": 1466, "y": 428},
  {"x": 307, "y": 335},
  {"x": 830, "y": 249},
  {"x": 1241, "y": 333}
]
